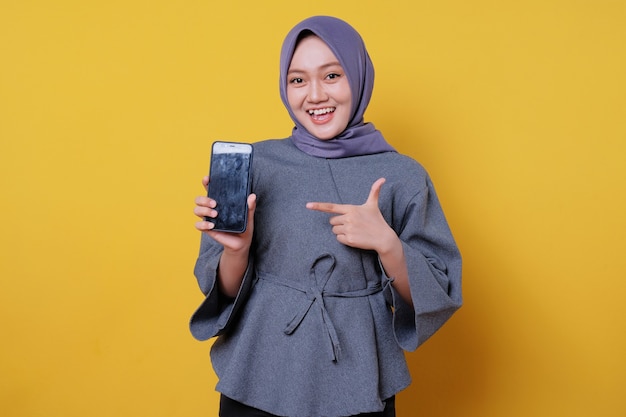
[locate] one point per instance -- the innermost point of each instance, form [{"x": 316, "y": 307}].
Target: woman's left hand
[
  {"x": 360, "y": 226},
  {"x": 364, "y": 227}
]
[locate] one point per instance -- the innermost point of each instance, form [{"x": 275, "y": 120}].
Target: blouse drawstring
[{"x": 315, "y": 296}]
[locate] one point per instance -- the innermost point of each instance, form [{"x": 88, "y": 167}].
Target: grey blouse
[{"x": 316, "y": 329}]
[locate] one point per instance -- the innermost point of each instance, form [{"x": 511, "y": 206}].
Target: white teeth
[{"x": 317, "y": 112}]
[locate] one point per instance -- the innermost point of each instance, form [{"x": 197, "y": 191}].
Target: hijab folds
[{"x": 359, "y": 138}]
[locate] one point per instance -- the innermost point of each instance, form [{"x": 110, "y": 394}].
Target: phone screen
[{"x": 229, "y": 185}]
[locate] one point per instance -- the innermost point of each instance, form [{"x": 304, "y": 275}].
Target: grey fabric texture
[{"x": 316, "y": 329}]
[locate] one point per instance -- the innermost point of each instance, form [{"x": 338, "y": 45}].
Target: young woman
[{"x": 347, "y": 260}]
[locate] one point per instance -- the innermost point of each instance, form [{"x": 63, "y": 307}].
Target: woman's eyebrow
[{"x": 321, "y": 67}]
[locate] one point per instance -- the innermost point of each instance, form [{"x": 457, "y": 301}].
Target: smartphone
[{"x": 229, "y": 185}]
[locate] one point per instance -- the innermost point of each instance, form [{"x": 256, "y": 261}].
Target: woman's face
[{"x": 317, "y": 89}]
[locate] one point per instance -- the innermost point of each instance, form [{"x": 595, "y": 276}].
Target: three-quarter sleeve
[
  {"x": 434, "y": 267},
  {"x": 217, "y": 311}
]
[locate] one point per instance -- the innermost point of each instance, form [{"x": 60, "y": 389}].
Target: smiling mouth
[{"x": 321, "y": 112}]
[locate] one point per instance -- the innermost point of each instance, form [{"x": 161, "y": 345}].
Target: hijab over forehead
[{"x": 344, "y": 41}]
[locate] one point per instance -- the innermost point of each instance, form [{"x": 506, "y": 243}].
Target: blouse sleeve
[
  {"x": 217, "y": 312},
  {"x": 434, "y": 266}
]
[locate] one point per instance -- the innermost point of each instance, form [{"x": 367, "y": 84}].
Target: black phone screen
[{"x": 229, "y": 185}]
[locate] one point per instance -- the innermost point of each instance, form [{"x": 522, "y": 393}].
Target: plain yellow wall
[{"x": 107, "y": 112}]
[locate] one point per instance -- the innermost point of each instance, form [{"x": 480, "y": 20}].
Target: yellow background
[{"x": 107, "y": 112}]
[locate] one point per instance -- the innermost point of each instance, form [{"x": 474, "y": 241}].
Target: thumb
[
  {"x": 375, "y": 192},
  {"x": 251, "y": 209},
  {"x": 251, "y": 204}
]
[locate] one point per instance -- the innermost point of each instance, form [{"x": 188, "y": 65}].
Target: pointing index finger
[{"x": 327, "y": 207}]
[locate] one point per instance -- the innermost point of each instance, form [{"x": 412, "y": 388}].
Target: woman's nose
[{"x": 317, "y": 92}]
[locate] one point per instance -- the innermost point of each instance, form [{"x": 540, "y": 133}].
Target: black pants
[{"x": 232, "y": 408}]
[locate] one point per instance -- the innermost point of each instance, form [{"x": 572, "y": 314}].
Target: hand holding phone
[{"x": 229, "y": 185}]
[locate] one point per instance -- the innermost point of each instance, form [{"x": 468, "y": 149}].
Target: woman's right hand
[
  {"x": 234, "y": 258},
  {"x": 232, "y": 242}
]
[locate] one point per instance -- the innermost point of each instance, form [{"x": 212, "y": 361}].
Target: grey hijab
[{"x": 359, "y": 138}]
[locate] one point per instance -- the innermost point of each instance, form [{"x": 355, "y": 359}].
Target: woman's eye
[
  {"x": 334, "y": 76},
  {"x": 296, "y": 80}
]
